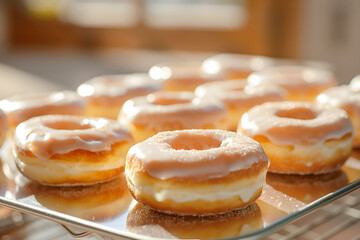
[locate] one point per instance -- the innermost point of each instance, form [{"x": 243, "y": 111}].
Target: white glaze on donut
[
  {"x": 197, "y": 153},
  {"x": 182, "y": 75},
  {"x": 248, "y": 63},
  {"x": 294, "y": 78},
  {"x": 22, "y": 107},
  {"x": 183, "y": 70},
  {"x": 55, "y": 134},
  {"x": 288, "y": 123},
  {"x": 239, "y": 94},
  {"x": 181, "y": 110},
  {"x": 120, "y": 87},
  {"x": 343, "y": 97},
  {"x": 355, "y": 83}
]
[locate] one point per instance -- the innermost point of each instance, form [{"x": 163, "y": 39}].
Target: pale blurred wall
[
  {"x": 20, "y": 80},
  {"x": 330, "y": 31}
]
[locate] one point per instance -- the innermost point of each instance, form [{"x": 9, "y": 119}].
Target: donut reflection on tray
[
  {"x": 146, "y": 221},
  {"x": 4, "y": 211},
  {"x": 99, "y": 202},
  {"x": 307, "y": 188},
  {"x": 356, "y": 154}
]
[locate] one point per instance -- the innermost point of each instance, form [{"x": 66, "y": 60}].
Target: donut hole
[
  {"x": 67, "y": 125},
  {"x": 297, "y": 113},
  {"x": 194, "y": 142}
]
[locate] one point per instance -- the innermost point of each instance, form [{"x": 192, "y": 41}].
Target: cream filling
[
  {"x": 68, "y": 169},
  {"x": 34, "y": 166},
  {"x": 329, "y": 151},
  {"x": 322, "y": 150},
  {"x": 186, "y": 195}
]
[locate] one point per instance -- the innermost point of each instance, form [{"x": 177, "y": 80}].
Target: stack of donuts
[{"x": 192, "y": 138}]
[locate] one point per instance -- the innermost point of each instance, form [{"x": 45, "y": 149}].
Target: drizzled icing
[
  {"x": 355, "y": 83},
  {"x": 238, "y": 93},
  {"x": 294, "y": 78},
  {"x": 22, "y": 107},
  {"x": 55, "y": 134},
  {"x": 227, "y": 61},
  {"x": 172, "y": 110},
  {"x": 310, "y": 123},
  {"x": 202, "y": 153},
  {"x": 342, "y": 96},
  {"x": 120, "y": 87}
]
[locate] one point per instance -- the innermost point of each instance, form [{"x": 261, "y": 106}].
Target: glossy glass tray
[{"x": 108, "y": 209}]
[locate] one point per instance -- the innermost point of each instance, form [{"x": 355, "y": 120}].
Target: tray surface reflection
[{"x": 109, "y": 210}]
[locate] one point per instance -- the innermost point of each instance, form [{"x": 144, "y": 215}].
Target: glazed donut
[
  {"x": 239, "y": 97},
  {"x": 301, "y": 83},
  {"x": 166, "y": 111},
  {"x": 141, "y": 220},
  {"x": 3, "y": 127},
  {"x": 98, "y": 202},
  {"x": 345, "y": 98},
  {"x": 182, "y": 76},
  {"x": 106, "y": 94},
  {"x": 355, "y": 84},
  {"x": 235, "y": 66},
  {"x": 300, "y": 137},
  {"x": 196, "y": 172},
  {"x": 70, "y": 150},
  {"x": 22, "y": 107},
  {"x": 307, "y": 188}
]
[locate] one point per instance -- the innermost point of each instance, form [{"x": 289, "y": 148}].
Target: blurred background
[{"x": 68, "y": 41}]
